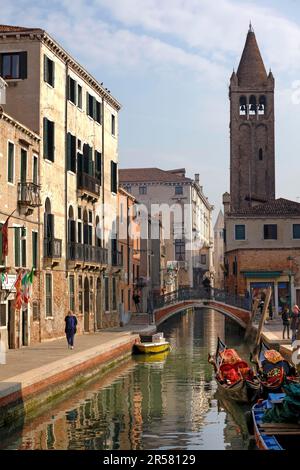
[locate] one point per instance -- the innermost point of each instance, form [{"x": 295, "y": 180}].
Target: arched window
[
  {"x": 243, "y": 106},
  {"x": 252, "y": 105},
  {"x": 262, "y": 105},
  {"x": 261, "y": 155}
]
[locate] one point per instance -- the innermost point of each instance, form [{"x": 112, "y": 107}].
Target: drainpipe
[
  {"x": 103, "y": 192},
  {"x": 66, "y": 172}
]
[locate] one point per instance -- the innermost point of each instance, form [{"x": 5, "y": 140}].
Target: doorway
[
  {"x": 25, "y": 341},
  {"x": 11, "y": 326},
  {"x": 86, "y": 305}
]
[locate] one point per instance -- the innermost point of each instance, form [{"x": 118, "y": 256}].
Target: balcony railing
[
  {"x": 88, "y": 183},
  {"x": 116, "y": 258},
  {"x": 29, "y": 194},
  {"x": 52, "y": 248},
  {"x": 87, "y": 253}
]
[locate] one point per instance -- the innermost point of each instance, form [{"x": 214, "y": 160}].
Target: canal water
[{"x": 163, "y": 402}]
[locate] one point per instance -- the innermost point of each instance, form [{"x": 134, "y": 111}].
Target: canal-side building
[
  {"x": 129, "y": 248},
  {"x": 19, "y": 232},
  {"x": 218, "y": 255},
  {"x": 188, "y": 233},
  {"x": 262, "y": 247},
  {"x": 77, "y": 119}
]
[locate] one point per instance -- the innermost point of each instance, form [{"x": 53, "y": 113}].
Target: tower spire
[
  {"x": 251, "y": 30},
  {"x": 251, "y": 70}
]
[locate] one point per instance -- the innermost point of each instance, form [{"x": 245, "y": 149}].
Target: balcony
[
  {"x": 88, "y": 186},
  {"x": 87, "y": 253},
  {"x": 29, "y": 195},
  {"x": 52, "y": 248},
  {"x": 116, "y": 258}
]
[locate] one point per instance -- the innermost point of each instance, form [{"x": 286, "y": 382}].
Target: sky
[{"x": 169, "y": 62}]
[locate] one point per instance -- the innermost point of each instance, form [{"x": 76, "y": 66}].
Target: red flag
[{"x": 5, "y": 239}]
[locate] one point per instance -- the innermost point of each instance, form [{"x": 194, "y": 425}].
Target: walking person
[
  {"x": 295, "y": 322},
  {"x": 136, "y": 299},
  {"x": 286, "y": 322},
  {"x": 71, "y": 328}
]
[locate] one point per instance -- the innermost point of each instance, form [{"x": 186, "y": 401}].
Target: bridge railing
[{"x": 204, "y": 294}]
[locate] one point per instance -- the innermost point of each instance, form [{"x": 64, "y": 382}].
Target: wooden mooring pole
[{"x": 263, "y": 319}]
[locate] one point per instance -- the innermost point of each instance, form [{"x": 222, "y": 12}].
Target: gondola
[
  {"x": 273, "y": 371},
  {"x": 276, "y": 434},
  {"x": 234, "y": 377}
]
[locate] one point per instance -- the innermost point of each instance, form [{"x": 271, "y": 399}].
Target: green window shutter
[
  {"x": 46, "y": 77},
  {"x": 51, "y": 137},
  {"x": 24, "y": 251},
  {"x": 69, "y": 145},
  {"x": 95, "y": 109},
  {"x": 91, "y": 164},
  {"x": 53, "y": 74},
  {"x": 17, "y": 247},
  {"x": 34, "y": 249},
  {"x": 87, "y": 104},
  {"x": 46, "y": 137},
  {"x": 10, "y": 163},
  {"x": 73, "y": 153}
]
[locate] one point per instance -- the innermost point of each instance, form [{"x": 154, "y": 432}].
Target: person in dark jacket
[
  {"x": 71, "y": 328},
  {"x": 286, "y": 322}
]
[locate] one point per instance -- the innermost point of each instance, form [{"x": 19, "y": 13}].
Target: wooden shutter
[
  {"x": 46, "y": 75},
  {"x": 113, "y": 170},
  {"x": 51, "y": 140},
  {"x": 17, "y": 247},
  {"x": 79, "y": 163},
  {"x": 69, "y": 148},
  {"x": 23, "y": 65},
  {"x": 46, "y": 137},
  {"x": 87, "y": 104},
  {"x": 91, "y": 163},
  {"x": 53, "y": 73}
]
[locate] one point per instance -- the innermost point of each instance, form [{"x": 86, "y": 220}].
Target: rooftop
[
  {"x": 149, "y": 175},
  {"x": 276, "y": 208},
  {"x": 251, "y": 70}
]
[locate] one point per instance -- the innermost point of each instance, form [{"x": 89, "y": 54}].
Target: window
[
  {"x": 234, "y": 267},
  {"x": 49, "y": 67},
  {"x": 203, "y": 259},
  {"x": 35, "y": 311},
  {"x": 49, "y": 139},
  {"x": 114, "y": 183},
  {"x": 98, "y": 112},
  {"x": 20, "y": 247},
  {"x": 240, "y": 232},
  {"x": 23, "y": 170},
  {"x": 79, "y": 96},
  {"x": 270, "y": 232},
  {"x": 35, "y": 173},
  {"x": 113, "y": 124},
  {"x": 260, "y": 155},
  {"x": 10, "y": 162},
  {"x": 71, "y": 152},
  {"x": 142, "y": 190},
  {"x": 13, "y": 65},
  {"x": 296, "y": 231},
  {"x": 48, "y": 290},
  {"x": 243, "y": 106},
  {"x": 252, "y": 105},
  {"x": 179, "y": 250},
  {"x": 129, "y": 299},
  {"x": 72, "y": 88},
  {"x": 106, "y": 287},
  {"x": 178, "y": 190},
  {"x": 114, "y": 294},
  {"x": 34, "y": 249},
  {"x": 98, "y": 164},
  {"x": 71, "y": 293},
  {"x": 90, "y": 217},
  {"x": 80, "y": 295},
  {"x": 2, "y": 314}
]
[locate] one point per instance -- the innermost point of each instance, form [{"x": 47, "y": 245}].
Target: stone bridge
[{"x": 235, "y": 308}]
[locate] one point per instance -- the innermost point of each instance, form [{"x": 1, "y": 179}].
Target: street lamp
[{"x": 290, "y": 260}]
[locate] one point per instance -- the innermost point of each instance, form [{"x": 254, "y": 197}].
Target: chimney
[{"x": 197, "y": 178}]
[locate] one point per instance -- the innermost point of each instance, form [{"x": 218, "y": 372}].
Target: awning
[{"x": 262, "y": 274}]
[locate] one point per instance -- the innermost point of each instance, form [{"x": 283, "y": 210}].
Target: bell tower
[{"x": 252, "y": 146}]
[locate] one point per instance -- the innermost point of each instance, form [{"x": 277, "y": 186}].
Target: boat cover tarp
[{"x": 288, "y": 411}]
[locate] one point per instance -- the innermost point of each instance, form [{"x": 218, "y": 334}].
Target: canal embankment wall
[{"x": 23, "y": 393}]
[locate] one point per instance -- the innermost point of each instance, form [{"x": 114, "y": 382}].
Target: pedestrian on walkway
[
  {"x": 71, "y": 328},
  {"x": 295, "y": 322},
  {"x": 286, "y": 322},
  {"x": 136, "y": 298}
]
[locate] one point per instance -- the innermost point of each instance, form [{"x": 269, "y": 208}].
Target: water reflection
[{"x": 166, "y": 402}]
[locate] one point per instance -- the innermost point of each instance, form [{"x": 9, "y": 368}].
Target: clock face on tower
[{"x": 252, "y": 148}]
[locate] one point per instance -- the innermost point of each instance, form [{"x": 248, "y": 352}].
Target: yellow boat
[
  {"x": 152, "y": 348},
  {"x": 156, "y": 359}
]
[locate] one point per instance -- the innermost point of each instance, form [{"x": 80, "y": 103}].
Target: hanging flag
[
  {"x": 24, "y": 279},
  {"x": 18, "y": 286},
  {"x": 30, "y": 276},
  {"x": 5, "y": 239}
]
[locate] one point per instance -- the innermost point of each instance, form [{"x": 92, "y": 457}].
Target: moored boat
[
  {"x": 157, "y": 346},
  {"x": 235, "y": 379},
  {"x": 276, "y": 420}
]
